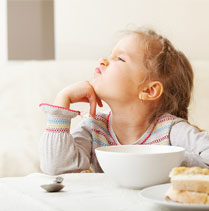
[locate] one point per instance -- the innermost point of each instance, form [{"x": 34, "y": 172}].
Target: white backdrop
[{"x": 86, "y": 29}]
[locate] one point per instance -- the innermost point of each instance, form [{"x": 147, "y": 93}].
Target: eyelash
[{"x": 121, "y": 59}]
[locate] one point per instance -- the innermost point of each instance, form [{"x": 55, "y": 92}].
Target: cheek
[
  {"x": 117, "y": 78},
  {"x": 108, "y": 85},
  {"x": 113, "y": 80},
  {"x": 119, "y": 85}
]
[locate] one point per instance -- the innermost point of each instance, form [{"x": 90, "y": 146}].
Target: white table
[{"x": 84, "y": 191}]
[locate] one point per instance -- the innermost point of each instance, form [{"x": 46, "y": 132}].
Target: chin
[
  {"x": 102, "y": 92},
  {"x": 99, "y": 92},
  {"x": 97, "y": 86}
]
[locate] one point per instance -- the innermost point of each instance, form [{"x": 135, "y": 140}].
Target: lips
[{"x": 98, "y": 70}]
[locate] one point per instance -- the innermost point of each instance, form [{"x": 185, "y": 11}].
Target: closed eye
[{"x": 121, "y": 59}]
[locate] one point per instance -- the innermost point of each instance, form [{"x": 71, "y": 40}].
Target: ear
[{"x": 152, "y": 91}]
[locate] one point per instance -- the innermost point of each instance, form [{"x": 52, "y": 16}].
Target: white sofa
[{"x": 24, "y": 85}]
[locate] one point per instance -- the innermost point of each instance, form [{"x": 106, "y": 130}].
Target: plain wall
[
  {"x": 30, "y": 29},
  {"x": 86, "y": 29}
]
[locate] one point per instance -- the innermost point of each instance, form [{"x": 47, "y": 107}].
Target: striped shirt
[{"x": 63, "y": 151}]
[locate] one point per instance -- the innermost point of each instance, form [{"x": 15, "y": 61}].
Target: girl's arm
[
  {"x": 61, "y": 152},
  {"x": 196, "y": 143}
]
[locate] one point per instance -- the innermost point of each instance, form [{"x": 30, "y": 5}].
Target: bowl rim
[{"x": 100, "y": 149}]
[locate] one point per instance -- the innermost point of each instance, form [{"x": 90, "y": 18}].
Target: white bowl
[{"x": 139, "y": 166}]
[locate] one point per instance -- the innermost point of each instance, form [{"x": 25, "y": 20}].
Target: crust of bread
[
  {"x": 189, "y": 197},
  {"x": 189, "y": 171},
  {"x": 200, "y": 186}
]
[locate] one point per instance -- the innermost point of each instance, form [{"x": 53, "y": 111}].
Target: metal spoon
[{"x": 55, "y": 186}]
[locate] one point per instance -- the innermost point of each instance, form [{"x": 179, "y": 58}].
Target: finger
[
  {"x": 93, "y": 102},
  {"x": 99, "y": 102},
  {"x": 84, "y": 100},
  {"x": 93, "y": 105},
  {"x": 91, "y": 95}
]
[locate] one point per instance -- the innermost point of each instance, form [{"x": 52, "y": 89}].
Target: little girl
[{"x": 147, "y": 84}]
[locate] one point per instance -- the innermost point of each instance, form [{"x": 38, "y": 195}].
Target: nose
[{"x": 104, "y": 62}]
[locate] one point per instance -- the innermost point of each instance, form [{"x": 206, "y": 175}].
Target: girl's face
[{"x": 118, "y": 77}]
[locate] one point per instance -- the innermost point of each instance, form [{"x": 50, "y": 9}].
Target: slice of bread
[
  {"x": 189, "y": 197},
  {"x": 190, "y": 179},
  {"x": 196, "y": 183},
  {"x": 189, "y": 185}
]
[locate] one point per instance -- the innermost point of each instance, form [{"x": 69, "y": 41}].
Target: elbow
[
  {"x": 50, "y": 170},
  {"x": 56, "y": 167},
  {"x": 53, "y": 170}
]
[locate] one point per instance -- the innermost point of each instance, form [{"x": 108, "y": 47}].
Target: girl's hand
[{"x": 79, "y": 92}]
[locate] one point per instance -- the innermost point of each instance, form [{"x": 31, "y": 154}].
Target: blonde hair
[{"x": 169, "y": 66}]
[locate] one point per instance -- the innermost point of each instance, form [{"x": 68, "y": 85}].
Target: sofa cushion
[{"x": 24, "y": 85}]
